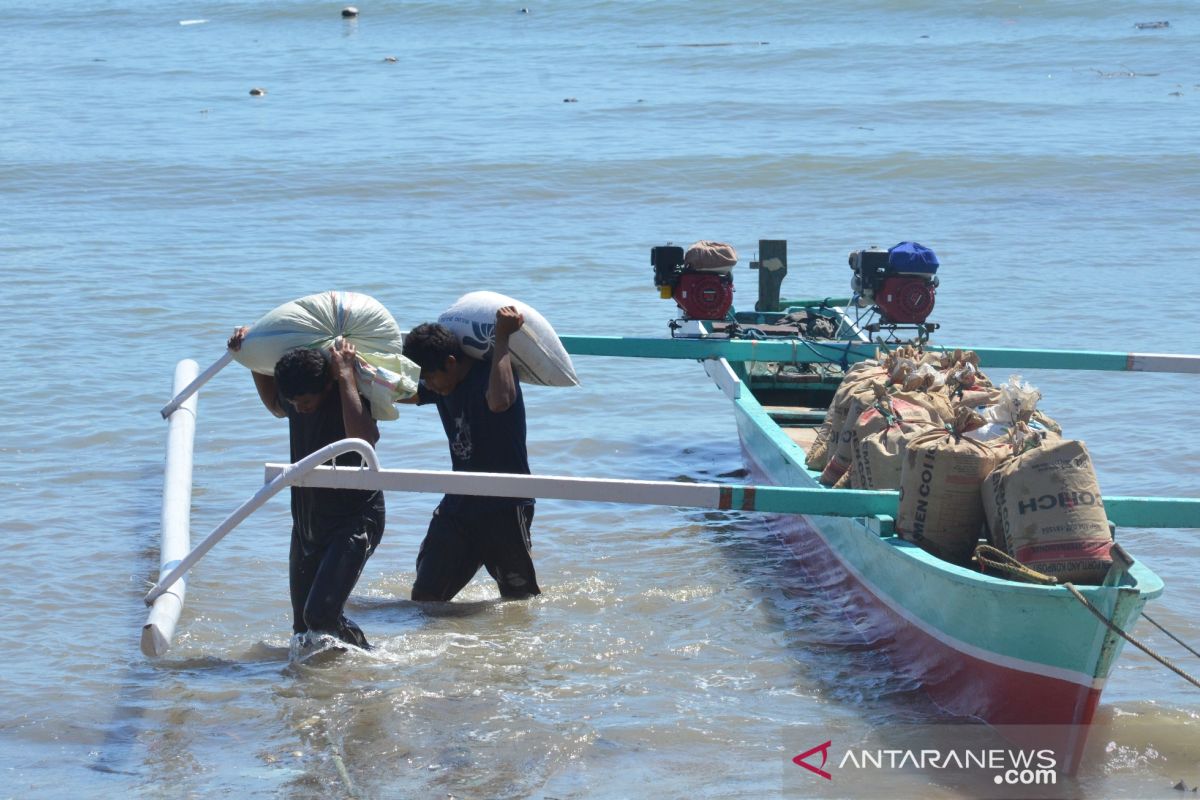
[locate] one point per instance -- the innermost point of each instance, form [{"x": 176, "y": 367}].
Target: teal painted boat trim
[
  {"x": 1128, "y": 512},
  {"x": 803, "y": 351},
  {"x": 1039, "y": 629},
  {"x": 796, "y": 351}
]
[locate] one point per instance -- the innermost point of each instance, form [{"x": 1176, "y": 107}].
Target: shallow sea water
[{"x": 1046, "y": 151}]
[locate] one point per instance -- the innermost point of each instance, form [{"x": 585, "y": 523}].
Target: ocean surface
[{"x": 1047, "y": 151}]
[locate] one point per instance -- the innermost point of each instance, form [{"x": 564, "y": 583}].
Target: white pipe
[
  {"x": 182, "y": 395},
  {"x": 176, "y": 512},
  {"x": 491, "y": 484},
  {"x": 286, "y": 477}
]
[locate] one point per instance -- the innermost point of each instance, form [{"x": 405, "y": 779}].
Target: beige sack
[
  {"x": 835, "y": 416},
  {"x": 860, "y": 399},
  {"x": 1045, "y": 509},
  {"x": 885, "y": 412},
  {"x": 839, "y": 446},
  {"x": 940, "y": 505},
  {"x": 818, "y": 452},
  {"x": 877, "y": 458},
  {"x": 935, "y": 401}
]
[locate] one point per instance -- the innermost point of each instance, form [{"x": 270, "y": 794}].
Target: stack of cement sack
[
  {"x": 970, "y": 459},
  {"x": 1045, "y": 509}
]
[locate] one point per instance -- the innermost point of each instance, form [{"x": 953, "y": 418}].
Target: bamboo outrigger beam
[{"x": 804, "y": 351}]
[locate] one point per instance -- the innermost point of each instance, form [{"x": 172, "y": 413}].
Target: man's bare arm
[
  {"x": 502, "y": 387},
  {"x": 268, "y": 392},
  {"x": 357, "y": 419}
]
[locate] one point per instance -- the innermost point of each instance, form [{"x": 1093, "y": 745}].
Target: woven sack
[
  {"x": 316, "y": 321},
  {"x": 1044, "y": 508},
  {"x": 537, "y": 353},
  {"x": 835, "y": 416},
  {"x": 877, "y": 458},
  {"x": 940, "y": 506}
]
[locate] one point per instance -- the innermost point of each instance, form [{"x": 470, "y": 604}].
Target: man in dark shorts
[
  {"x": 483, "y": 412},
  {"x": 334, "y": 531}
]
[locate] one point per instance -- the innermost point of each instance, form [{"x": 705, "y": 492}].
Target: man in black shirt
[
  {"x": 483, "y": 413},
  {"x": 334, "y": 531}
]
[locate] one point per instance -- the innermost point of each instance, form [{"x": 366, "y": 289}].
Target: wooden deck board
[{"x": 802, "y": 436}]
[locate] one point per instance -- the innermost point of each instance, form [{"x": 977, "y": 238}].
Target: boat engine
[
  {"x": 700, "y": 281},
  {"x": 900, "y": 282}
]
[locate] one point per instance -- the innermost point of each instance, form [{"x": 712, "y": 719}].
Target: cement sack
[
  {"x": 877, "y": 458},
  {"x": 940, "y": 505},
  {"x": 886, "y": 410},
  {"x": 935, "y": 401},
  {"x": 1044, "y": 508},
  {"x": 316, "y": 321},
  {"x": 818, "y": 451},
  {"x": 859, "y": 399},
  {"x": 537, "y": 354},
  {"x": 835, "y": 417},
  {"x": 880, "y": 410}
]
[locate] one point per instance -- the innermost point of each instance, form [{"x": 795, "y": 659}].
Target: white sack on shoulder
[
  {"x": 537, "y": 354},
  {"x": 316, "y": 321}
]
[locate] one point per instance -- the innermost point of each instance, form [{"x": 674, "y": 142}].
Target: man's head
[
  {"x": 302, "y": 376},
  {"x": 436, "y": 350}
]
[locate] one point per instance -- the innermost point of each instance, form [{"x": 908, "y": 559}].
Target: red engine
[
  {"x": 700, "y": 281},
  {"x": 905, "y": 299},
  {"x": 900, "y": 282},
  {"x": 704, "y": 295}
]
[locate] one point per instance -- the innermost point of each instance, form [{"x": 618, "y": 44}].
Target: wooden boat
[{"x": 1005, "y": 652}]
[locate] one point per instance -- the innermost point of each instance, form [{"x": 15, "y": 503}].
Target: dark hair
[
  {"x": 300, "y": 371},
  {"x": 430, "y": 344}
]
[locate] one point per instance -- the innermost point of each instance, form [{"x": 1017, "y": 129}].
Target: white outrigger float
[{"x": 985, "y": 646}]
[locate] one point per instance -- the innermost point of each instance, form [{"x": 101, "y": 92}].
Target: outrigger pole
[
  {"x": 1152, "y": 512},
  {"x": 287, "y": 475},
  {"x": 181, "y": 395},
  {"x": 814, "y": 351},
  {"x": 1140, "y": 512},
  {"x": 804, "y": 351},
  {"x": 176, "y": 512}
]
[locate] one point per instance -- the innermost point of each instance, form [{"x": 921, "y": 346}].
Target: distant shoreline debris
[
  {"x": 1126, "y": 73},
  {"x": 706, "y": 44},
  {"x": 1152, "y": 26}
]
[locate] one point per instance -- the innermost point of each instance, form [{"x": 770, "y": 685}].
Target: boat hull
[{"x": 1006, "y": 653}]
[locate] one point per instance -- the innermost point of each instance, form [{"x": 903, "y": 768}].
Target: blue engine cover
[{"x": 912, "y": 258}]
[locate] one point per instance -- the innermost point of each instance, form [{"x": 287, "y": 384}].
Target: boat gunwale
[{"x": 1138, "y": 578}]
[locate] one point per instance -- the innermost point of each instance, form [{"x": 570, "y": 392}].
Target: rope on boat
[
  {"x": 1113, "y": 627},
  {"x": 1179, "y": 641},
  {"x": 992, "y": 557},
  {"x": 999, "y": 560}
]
